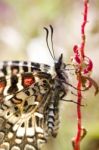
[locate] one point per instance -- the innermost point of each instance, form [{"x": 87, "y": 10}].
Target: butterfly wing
[
  {"x": 30, "y": 115},
  {"x": 22, "y": 124}
]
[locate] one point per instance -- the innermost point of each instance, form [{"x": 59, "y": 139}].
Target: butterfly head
[
  {"x": 60, "y": 68},
  {"x": 59, "y": 63}
]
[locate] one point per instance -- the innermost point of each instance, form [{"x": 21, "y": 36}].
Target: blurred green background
[{"x": 22, "y": 37}]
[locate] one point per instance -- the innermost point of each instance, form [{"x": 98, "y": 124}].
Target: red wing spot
[
  {"x": 2, "y": 85},
  {"x": 28, "y": 81}
]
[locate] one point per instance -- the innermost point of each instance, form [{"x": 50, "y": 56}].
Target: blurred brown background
[{"x": 22, "y": 37}]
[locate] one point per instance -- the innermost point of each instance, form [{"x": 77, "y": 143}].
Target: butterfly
[{"x": 30, "y": 95}]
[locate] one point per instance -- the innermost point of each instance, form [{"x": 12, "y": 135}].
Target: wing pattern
[{"x": 30, "y": 116}]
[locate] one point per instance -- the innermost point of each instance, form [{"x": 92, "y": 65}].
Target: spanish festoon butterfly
[{"x": 30, "y": 94}]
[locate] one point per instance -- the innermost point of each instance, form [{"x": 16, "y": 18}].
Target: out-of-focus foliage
[{"x": 22, "y": 21}]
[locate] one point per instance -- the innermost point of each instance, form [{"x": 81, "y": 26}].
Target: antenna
[
  {"x": 47, "y": 33},
  {"x": 52, "y": 41}
]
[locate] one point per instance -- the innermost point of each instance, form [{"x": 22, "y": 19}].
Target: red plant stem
[
  {"x": 78, "y": 137},
  {"x": 79, "y": 85},
  {"x": 83, "y": 28}
]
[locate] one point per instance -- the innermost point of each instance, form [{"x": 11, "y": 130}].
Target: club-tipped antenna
[
  {"x": 52, "y": 41},
  {"x": 47, "y": 33}
]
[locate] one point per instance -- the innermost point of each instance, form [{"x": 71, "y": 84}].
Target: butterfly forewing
[{"x": 16, "y": 75}]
